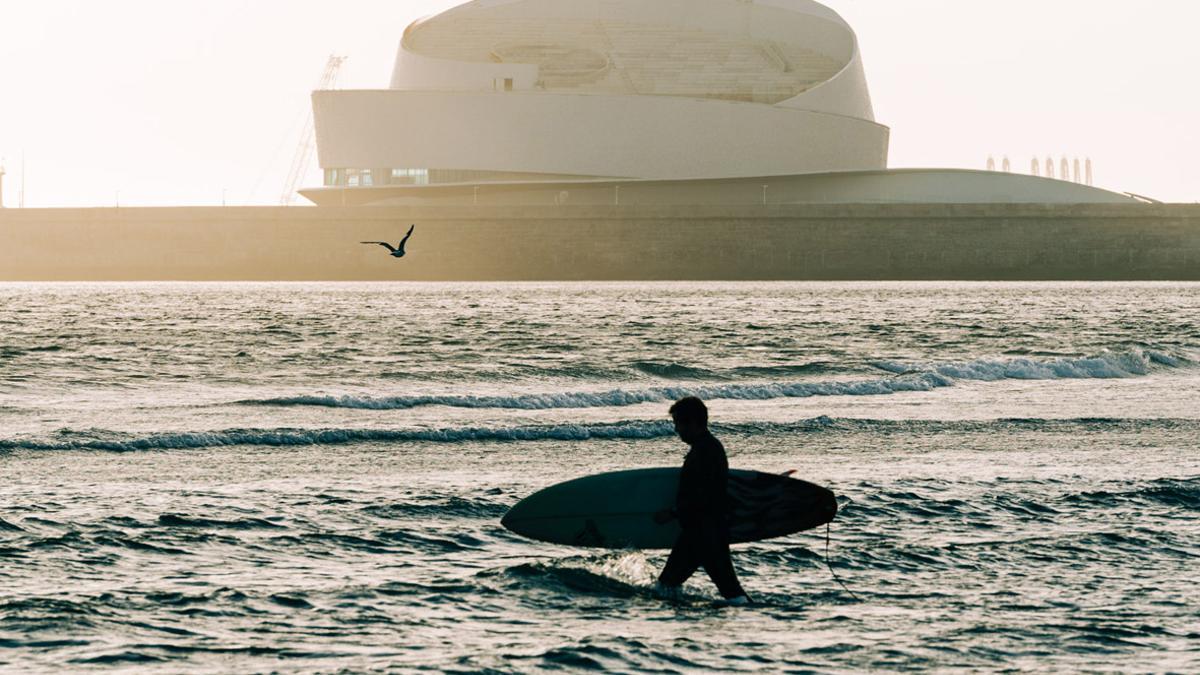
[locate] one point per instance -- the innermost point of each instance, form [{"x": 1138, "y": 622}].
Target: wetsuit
[{"x": 702, "y": 507}]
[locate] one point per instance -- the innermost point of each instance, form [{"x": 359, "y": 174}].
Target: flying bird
[{"x": 397, "y": 251}]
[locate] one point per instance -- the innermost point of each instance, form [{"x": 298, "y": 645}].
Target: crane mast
[{"x": 304, "y": 152}]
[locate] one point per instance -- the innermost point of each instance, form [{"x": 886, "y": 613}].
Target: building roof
[{"x": 709, "y": 49}]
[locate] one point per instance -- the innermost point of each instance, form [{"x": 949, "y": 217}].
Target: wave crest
[
  {"x": 907, "y": 378},
  {"x": 628, "y": 430},
  {"x": 1113, "y": 365},
  {"x": 623, "y": 397},
  {"x": 109, "y": 442}
]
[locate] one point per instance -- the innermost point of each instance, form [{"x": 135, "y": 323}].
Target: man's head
[{"x": 691, "y": 418}]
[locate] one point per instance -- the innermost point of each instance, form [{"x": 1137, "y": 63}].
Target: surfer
[{"x": 701, "y": 508}]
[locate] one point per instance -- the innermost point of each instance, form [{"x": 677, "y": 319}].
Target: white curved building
[{"x": 656, "y": 96}]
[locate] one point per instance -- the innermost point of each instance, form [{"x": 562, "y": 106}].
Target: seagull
[{"x": 397, "y": 251}]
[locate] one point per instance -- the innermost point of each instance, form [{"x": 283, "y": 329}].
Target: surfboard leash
[{"x": 834, "y": 572}]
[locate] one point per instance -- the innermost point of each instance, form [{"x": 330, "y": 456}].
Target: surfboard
[{"x": 616, "y": 510}]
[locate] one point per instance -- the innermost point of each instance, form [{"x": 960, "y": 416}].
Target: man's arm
[{"x": 695, "y": 480}]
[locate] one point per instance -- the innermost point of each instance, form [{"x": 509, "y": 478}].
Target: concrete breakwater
[{"x": 500, "y": 243}]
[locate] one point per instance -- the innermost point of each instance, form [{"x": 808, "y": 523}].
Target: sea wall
[{"x": 778, "y": 242}]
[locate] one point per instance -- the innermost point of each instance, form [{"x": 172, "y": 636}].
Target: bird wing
[
  {"x": 405, "y": 239},
  {"x": 381, "y": 243}
]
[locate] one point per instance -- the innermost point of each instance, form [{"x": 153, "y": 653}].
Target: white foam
[
  {"x": 631, "y": 430},
  {"x": 1113, "y": 365},
  {"x": 306, "y": 437},
  {"x": 910, "y": 378},
  {"x": 627, "y": 397}
]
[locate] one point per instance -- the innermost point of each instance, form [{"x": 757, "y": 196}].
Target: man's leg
[
  {"x": 683, "y": 561},
  {"x": 719, "y": 566}
]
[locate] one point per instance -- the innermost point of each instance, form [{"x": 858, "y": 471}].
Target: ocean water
[{"x": 298, "y": 478}]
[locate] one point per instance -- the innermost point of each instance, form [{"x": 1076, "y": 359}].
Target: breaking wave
[
  {"x": 109, "y": 441},
  {"x": 1115, "y": 365},
  {"x": 677, "y": 371},
  {"x": 113, "y": 442},
  {"x": 908, "y": 378},
  {"x": 623, "y": 397}
]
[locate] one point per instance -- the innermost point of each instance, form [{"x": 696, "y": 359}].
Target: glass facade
[
  {"x": 410, "y": 177},
  {"x": 384, "y": 177}
]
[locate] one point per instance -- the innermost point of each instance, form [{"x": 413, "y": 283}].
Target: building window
[
  {"x": 410, "y": 176},
  {"x": 354, "y": 177}
]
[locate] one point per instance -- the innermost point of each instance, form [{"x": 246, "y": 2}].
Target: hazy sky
[{"x": 185, "y": 101}]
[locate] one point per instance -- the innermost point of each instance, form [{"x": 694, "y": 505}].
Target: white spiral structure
[
  {"x": 556, "y": 92},
  {"x": 669, "y": 89}
]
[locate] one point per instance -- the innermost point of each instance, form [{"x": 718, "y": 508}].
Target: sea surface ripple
[{"x": 310, "y": 477}]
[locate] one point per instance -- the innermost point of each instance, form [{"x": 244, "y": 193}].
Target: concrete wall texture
[{"x": 462, "y": 243}]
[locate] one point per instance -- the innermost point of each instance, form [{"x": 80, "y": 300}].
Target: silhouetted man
[{"x": 702, "y": 507}]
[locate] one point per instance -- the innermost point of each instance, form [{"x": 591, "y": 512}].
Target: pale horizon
[{"x": 202, "y": 103}]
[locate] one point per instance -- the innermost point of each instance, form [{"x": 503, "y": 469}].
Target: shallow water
[{"x": 310, "y": 477}]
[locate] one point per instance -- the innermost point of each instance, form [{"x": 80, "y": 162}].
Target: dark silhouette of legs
[{"x": 707, "y": 548}]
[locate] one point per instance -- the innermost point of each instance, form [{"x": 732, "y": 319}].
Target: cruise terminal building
[{"x": 670, "y": 102}]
